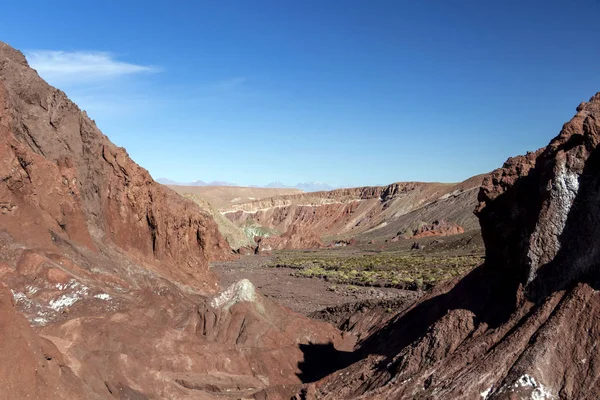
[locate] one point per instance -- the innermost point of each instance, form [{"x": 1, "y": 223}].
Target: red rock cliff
[
  {"x": 61, "y": 178},
  {"x": 525, "y": 324},
  {"x": 539, "y": 212}
]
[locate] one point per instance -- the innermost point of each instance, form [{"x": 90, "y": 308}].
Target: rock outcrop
[
  {"x": 436, "y": 228},
  {"x": 524, "y": 325},
  {"x": 295, "y": 238},
  {"x": 538, "y": 213},
  {"x": 62, "y": 179}
]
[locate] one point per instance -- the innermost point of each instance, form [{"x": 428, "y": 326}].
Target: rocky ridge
[
  {"x": 62, "y": 179},
  {"x": 523, "y": 325},
  {"x": 368, "y": 213},
  {"x": 107, "y": 288},
  {"x": 107, "y": 292}
]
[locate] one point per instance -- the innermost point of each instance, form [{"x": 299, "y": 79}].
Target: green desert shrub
[{"x": 382, "y": 269}]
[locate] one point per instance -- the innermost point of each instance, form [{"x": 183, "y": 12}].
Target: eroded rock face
[
  {"x": 525, "y": 324},
  {"x": 109, "y": 294},
  {"x": 539, "y": 212},
  {"x": 364, "y": 213},
  {"x": 295, "y": 238},
  {"x": 61, "y": 178},
  {"x": 437, "y": 228}
]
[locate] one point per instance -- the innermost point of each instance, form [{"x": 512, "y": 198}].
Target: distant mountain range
[
  {"x": 304, "y": 186},
  {"x": 166, "y": 181}
]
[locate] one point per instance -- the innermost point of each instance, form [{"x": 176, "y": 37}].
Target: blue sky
[{"x": 347, "y": 92}]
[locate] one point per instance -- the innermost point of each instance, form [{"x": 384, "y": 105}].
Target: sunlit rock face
[
  {"x": 240, "y": 291},
  {"x": 105, "y": 285},
  {"x": 523, "y": 325},
  {"x": 539, "y": 213}
]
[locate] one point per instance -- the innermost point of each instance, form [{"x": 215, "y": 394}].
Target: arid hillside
[
  {"x": 106, "y": 290},
  {"x": 211, "y": 198},
  {"x": 257, "y": 220},
  {"x": 403, "y": 209},
  {"x": 524, "y": 325},
  {"x": 105, "y": 286}
]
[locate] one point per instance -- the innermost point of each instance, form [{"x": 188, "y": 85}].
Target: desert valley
[
  {"x": 368, "y": 243},
  {"x": 116, "y": 286},
  {"x": 372, "y": 292}
]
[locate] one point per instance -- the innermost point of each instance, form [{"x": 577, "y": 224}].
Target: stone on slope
[{"x": 32, "y": 367}]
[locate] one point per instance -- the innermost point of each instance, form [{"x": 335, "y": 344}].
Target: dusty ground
[
  {"x": 307, "y": 294},
  {"x": 301, "y": 294}
]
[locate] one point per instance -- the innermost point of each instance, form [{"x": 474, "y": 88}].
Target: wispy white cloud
[
  {"x": 68, "y": 68},
  {"x": 111, "y": 89},
  {"x": 105, "y": 86}
]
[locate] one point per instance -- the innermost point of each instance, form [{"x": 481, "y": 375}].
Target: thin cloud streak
[
  {"x": 111, "y": 89},
  {"x": 61, "y": 67}
]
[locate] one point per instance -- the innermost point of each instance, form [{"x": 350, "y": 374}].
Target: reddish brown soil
[{"x": 301, "y": 294}]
